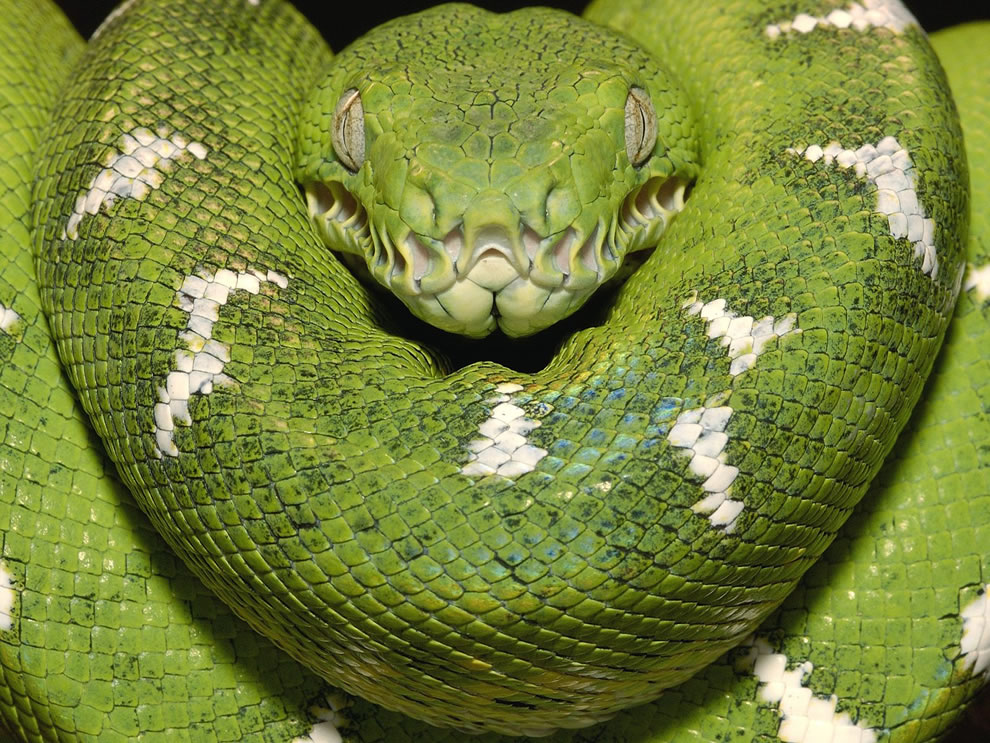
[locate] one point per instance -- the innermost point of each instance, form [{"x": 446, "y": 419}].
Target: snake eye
[
  {"x": 641, "y": 126},
  {"x": 347, "y": 130}
]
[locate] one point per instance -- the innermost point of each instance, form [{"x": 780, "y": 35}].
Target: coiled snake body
[{"x": 481, "y": 548}]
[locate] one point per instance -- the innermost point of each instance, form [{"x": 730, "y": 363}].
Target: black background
[{"x": 341, "y": 23}]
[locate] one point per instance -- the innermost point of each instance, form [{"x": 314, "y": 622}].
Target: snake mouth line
[
  {"x": 503, "y": 273},
  {"x": 343, "y": 219},
  {"x": 415, "y": 263},
  {"x": 651, "y": 207}
]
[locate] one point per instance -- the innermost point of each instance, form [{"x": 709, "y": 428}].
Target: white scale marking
[
  {"x": 701, "y": 431},
  {"x": 199, "y": 366},
  {"x": 325, "y": 731},
  {"x": 805, "y": 718},
  {"x": 7, "y": 597},
  {"x": 978, "y": 279},
  {"x": 132, "y": 173},
  {"x": 746, "y": 337},
  {"x": 8, "y": 319},
  {"x": 888, "y": 166},
  {"x": 975, "y": 643},
  {"x": 504, "y": 450},
  {"x": 889, "y": 14}
]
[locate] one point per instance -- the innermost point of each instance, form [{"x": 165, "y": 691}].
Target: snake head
[{"x": 493, "y": 170}]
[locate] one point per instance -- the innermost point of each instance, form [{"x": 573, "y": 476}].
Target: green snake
[{"x": 236, "y": 476}]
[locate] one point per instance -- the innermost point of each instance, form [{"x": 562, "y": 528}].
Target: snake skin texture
[{"x": 413, "y": 517}]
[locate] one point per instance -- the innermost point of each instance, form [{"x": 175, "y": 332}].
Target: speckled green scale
[
  {"x": 111, "y": 638},
  {"x": 675, "y": 469}
]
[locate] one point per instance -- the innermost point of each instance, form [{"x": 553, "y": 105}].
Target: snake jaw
[
  {"x": 513, "y": 280},
  {"x": 340, "y": 219},
  {"x": 493, "y": 270},
  {"x": 575, "y": 262},
  {"x": 648, "y": 210}
]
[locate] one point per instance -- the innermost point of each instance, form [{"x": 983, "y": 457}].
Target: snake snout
[
  {"x": 490, "y": 248},
  {"x": 493, "y": 270}
]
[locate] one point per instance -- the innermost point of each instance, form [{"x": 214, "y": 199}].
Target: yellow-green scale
[{"x": 111, "y": 638}]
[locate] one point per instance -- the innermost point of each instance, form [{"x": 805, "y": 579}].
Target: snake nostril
[{"x": 490, "y": 253}]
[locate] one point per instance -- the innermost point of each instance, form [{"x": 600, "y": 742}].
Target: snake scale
[{"x": 236, "y": 477}]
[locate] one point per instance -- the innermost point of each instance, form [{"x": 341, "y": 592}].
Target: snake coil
[{"x": 477, "y": 547}]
